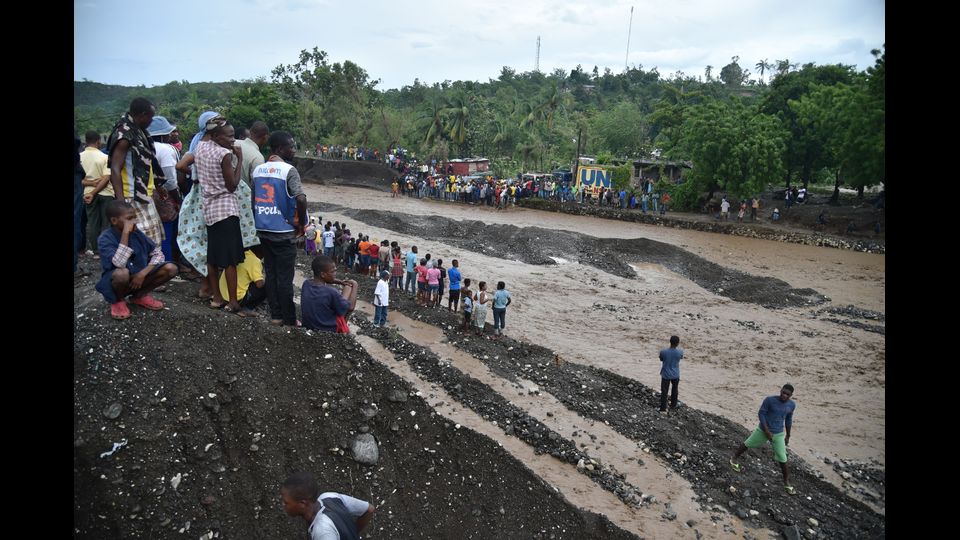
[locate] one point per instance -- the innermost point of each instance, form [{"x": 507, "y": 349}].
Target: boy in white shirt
[{"x": 381, "y": 299}]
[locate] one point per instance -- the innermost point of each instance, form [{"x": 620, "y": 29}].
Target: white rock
[
  {"x": 327, "y": 356},
  {"x": 175, "y": 481},
  {"x": 813, "y": 522}
]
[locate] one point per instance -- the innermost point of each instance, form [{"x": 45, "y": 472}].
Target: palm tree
[
  {"x": 457, "y": 113},
  {"x": 431, "y": 118},
  {"x": 762, "y": 67},
  {"x": 553, "y": 100}
]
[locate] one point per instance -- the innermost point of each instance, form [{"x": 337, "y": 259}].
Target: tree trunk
[
  {"x": 860, "y": 192},
  {"x": 805, "y": 175},
  {"x": 788, "y": 178}
]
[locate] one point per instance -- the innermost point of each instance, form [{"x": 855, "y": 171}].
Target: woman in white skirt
[{"x": 480, "y": 307}]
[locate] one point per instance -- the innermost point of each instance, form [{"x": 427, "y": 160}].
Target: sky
[{"x": 435, "y": 40}]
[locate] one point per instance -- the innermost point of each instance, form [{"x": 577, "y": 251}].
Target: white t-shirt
[
  {"x": 167, "y": 157},
  {"x": 381, "y": 296},
  {"x": 725, "y": 206},
  {"x": 328, "y": 238},
  {"x": 323, "y": 528}
]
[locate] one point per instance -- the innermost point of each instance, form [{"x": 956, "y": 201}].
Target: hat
[
  {"x": 160, "y": 126},
  {"x": 384, "y": 274}
]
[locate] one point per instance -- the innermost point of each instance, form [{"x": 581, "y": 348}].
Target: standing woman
[
  {"x": 480, "y": 307},
  {"x": 218, "y": 164},
  {"x": 396, "y": 271},
  {"x": 191, "y": 227}
]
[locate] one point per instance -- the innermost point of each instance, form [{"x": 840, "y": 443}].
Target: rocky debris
[
  {"x": 489, "y": 404},
  {"x": 365, "y": 449},
  {"x": 397, "y": 396},
  {"x": 535, "y": 245},
  {"x": 263, "y": 377},
  {"x": 736, "y": 229},
  {"x": 702, "y": 440},
  {"x": 112, "y": 411}
]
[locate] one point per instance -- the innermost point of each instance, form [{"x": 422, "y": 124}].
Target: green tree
[{"x": 732, "y": 147}]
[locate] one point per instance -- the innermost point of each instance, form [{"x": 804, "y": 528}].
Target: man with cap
[
  {"x": 134, "y": 169},
  {"x": 381, "y": 299},
  {"x": 166, "y": 200}
]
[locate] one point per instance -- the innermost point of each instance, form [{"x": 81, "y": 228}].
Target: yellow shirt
[
  {"x": 249, "y": 271},
  {"x": 94, "y": 163}
]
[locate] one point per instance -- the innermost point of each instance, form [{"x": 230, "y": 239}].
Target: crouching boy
[{"x": 132, "y": 264}]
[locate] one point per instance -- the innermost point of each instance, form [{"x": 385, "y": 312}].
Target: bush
[
  {"x": 685, "y": 197},
  {"x": 620, "y": 176}
]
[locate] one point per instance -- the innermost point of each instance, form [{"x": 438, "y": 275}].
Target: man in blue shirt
[
  {"x": 411, "y": 262},
  {"x": 670, "y": 373},
  {"x": 454, "y": 274},
  {"x": 776, "y": 416},
  {"x": 323, "y": 307}
]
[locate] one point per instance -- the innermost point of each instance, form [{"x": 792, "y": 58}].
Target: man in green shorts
[{"x": 776, "y": 418}]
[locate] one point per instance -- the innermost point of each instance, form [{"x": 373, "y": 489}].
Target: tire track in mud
[{"x": 539, "y": 246}]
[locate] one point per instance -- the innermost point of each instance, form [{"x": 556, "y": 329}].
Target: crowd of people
[{"x": 224, "y": 212}]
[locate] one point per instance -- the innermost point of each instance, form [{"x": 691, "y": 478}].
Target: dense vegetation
[{"x": 792, "y": 124}]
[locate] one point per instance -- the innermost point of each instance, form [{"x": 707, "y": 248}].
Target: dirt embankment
[
  {"x": 694, "y": 444},
  {"x": 825, "y": 237},
  {"x": 535, "y": 245},
  {"x": 365, "y": 174},
  {"x": 209, "y": 412}
]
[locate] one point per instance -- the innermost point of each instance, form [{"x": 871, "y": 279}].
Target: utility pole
[
  {"x": 536, "y": 64},
  {"x": 576, "y": 160},
  {"x": 629, "y": 32}
]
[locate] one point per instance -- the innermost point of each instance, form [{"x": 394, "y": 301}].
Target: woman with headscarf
[{"x": 192, "y": 234}]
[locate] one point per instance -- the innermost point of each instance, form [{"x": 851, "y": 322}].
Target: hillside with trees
[{"x": 791, "y": 124}]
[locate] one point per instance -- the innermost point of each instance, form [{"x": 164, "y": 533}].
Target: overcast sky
[{"x": 132, "y": 42}]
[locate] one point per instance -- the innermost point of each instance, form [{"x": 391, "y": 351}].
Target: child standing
[
  {"x": 433, "y": 285},
  {"x": 310, "y": 237},
  {"x": 466, "y": 295},
  {"x": 131, "y": 262},
  {"x": 381, "y": 299},
  {"x": 421, "y": 270},
  {"x": 323, "y": 307}
]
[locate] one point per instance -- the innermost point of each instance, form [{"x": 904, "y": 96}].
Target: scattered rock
[
  {"x": 113, "y": 410},
  {"x": 365, "y": 449}
]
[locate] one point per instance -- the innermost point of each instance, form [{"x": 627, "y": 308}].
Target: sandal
[
  {"x": 228, "y": 309},
  {"x": 790, "y": 490},
  {"x": 119, "y": 310},
  {"x": 214, "y": 305},
  {"x": 148, "y": 302},
  {"x": 247, "y": 313},
  {"x": 734, "y": 466}
]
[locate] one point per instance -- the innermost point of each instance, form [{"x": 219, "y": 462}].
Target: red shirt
[{"x": 374, "y": 250}]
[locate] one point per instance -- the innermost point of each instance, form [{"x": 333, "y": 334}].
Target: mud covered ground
[
  {"x": 694, "y": 444},
  {"x": 536, "y": 245},
  {"x": 212, "y": 411}
]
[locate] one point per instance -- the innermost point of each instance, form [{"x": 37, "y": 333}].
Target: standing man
[
  {"x": 454, "y": 273},
  {"x": 331, "y": 516},
  {"x": 754, "y": 206},
  {"x": 670, "y": 373},
  {"x": 97, "y": 191},
  {"x": 250, "y": 147},
  {"x": 134, "y": 168},
  {"x": 776, "y": 417},
  {"x": 280, "y": 214},
  {"x": 327, "y": 236},
  {"x": 411, "y": 262},
  {"x": 725, "y": 208}
]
